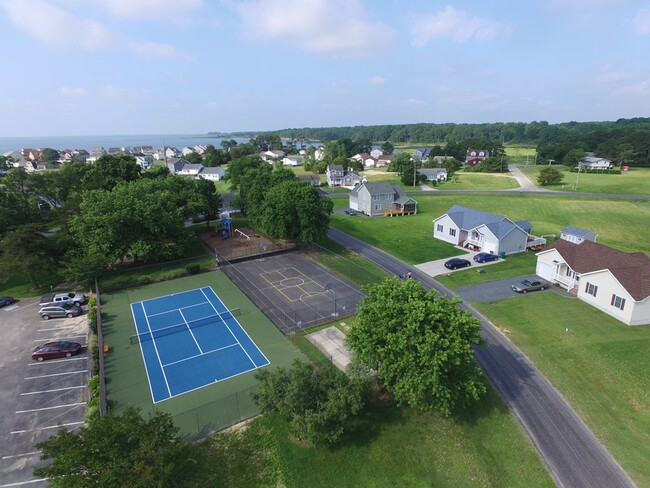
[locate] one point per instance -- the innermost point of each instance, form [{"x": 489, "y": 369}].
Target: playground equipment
[
  {"x": 226, "y": 226},
  {"x": 244, "y": 235}
]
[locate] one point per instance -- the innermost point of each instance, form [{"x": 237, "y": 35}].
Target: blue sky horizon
[{"x": 90, "y": 67}]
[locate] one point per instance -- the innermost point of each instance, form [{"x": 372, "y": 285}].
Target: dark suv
[{"x": 60, "y": 310}]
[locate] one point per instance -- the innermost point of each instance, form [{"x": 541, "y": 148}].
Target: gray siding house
[
  {"x": 577, "y": 235},
  {"x": 381, "y": 199}
]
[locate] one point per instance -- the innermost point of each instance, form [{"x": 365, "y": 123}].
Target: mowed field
[
  {"x": 633, "y": 182},
  {"x": 601, "y": 366},
  {"x": 619, "y": 223}
]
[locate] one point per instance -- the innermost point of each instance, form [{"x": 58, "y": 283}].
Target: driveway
[
  {"x": 493, "y": 291},
  {"x": 437, "y": 267},
  {"x": 36, "y": 397}
]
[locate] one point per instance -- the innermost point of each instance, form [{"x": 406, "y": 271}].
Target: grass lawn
[
  {"x": 601, "y": 366},
  {"x": 619, "y": 223},
  {"x": 633, "y": 182},
  {"x": 385, "y": 446},
  {"x": 346, "y": 263},
  {"x": 479, "y": 181},
  {"x": 520, "y": 154}
]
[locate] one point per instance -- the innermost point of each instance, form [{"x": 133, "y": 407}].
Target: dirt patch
[{"x": 242, "y": 242}]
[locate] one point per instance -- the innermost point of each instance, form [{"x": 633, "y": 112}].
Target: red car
[{"x": 58, "y": 349}]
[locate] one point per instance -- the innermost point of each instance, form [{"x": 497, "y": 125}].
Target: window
[
  {"x": 387, "y": 197},
  {"x": 439, "y": 227},
  {"x": 452, "y": 232},
  {"x": 591, "y": 289},
  {"x": 376, "y": 198},
  {"x": 618, "y": 302},
  {"x": 570, "y": 273},
  {"x": 378, "y": 206}
]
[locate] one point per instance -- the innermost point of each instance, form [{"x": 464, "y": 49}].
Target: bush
[
  {"x": 92, "y": 319},
  {"x": 93, "y": 346},
  {"x": 614, "y": 171},
  {"x": 92, "y": 303},
  {"x": 193, "y": 268},
  {"x": 143, "y": 280}
]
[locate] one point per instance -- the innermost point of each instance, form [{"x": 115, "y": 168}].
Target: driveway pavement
[
  {"x": 437, "y": 267},
  {"x": 493, "y": 291}
]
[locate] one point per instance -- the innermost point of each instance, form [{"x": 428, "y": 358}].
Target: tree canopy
[
  {"x": 109, "y": 170},
  {"x": 550, "y": 176},
  {"x": 317, "y": 401},
  {"x": 117, "y": 450},
  {"x": 419, "y": 344}
]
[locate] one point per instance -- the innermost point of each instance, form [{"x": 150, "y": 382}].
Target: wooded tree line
[{"x": 624, "y": 140}]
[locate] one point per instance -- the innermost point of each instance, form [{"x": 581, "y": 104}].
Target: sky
[{"x": 103, "y": 67}]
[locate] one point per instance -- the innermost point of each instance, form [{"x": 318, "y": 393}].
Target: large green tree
[
  {"x": 25, "y": 250},
  {"x": 49, "y": 155},
  {"x": 118, "y": 450},
  {"x": 419, "y": 344},
  {"x": 142, "y": 219},
  {"x": 550, "y": 176},
  {"x": 109, "y": 170},
  {"x": 316, "y": 401},
  {"x": 406, "y": 167},
  {"x": 294, "y": 210}
]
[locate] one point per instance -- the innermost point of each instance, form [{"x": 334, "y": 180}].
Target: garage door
[
  {"x": 354, "y": 205},
  {"x": 489, "y": 247},
  {"x": 545, "y": 271}
]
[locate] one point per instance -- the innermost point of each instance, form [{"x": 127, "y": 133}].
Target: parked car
[
  {"x": 527, "y": 285},
  {"x": 455, "y": 263},
  {"x": 350, "y": 211},
  {"x": 75, "y": 298},
  {"x": 6, "y": 301},
  {"x": 59, "y": 349},
  {"x": 59, "y": 310},
  {"x": 485, "y": 257}
]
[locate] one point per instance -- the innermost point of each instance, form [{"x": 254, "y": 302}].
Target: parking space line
[
  {"x": 55, "y": 374},
  {"x": 51, "y": 408},
  {"x": 56, "y": 338},
  {"x": 80, "y": 358},
  {"x": 45, "y": 428},
  {"x": 21, "y": 455},
  {"x": 50, "y": 391},
  {"x": 58, "y": 328},
  {"x": 21, "y": 483}
]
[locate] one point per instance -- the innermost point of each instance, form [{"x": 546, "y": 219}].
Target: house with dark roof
[
  {"x": 433, "y": 174},
  {"x": 212, "y": 173},
  {"x": 615, "y": 282},
  {"x": 175, "y": 165},
  {"x": 337, "y": 175},
  {"x": 577, "y": 235},
  {"x": 589, "y": 161},
  {"x": 475, "y": 156},
  {"x": 381, "y": 199},
  {"x": 313, "y": 180},
  {"x": 484, "y": 231},
  {"x": 422, "y": 153}
]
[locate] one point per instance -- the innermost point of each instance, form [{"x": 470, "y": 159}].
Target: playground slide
[{"x": 225, "y": 235}]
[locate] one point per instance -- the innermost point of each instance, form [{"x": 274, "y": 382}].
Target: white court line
[
  {"x": 162, "y": 369},
  {"x": 55, "y": 374},
  {"x": 50, "y": 391},
  {"x": 204, "y": 354},
  {"x": 169, "y": 295},
  {"x": 21, "y": 483},
  {"x": 51, "y": 408},
  {"x": 45, "y": 428},
  {"x": 188, "y": 328},
  {"x": 21, "y": 455},
  {"x": 224, "y": 322},
  {"x": 142, "y": 349},
  {"x": 243, "y": 330},
  {"x": 63, "y": 360},
  {"x": 175, "y": 309}
]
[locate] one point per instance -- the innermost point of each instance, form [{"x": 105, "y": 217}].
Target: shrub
[
  {"x": 143, "y": 280},
  {"x": 193, "y": 268},
  {"x": 92, "y": 319}
]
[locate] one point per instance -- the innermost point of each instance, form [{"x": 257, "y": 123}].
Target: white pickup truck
[{"x": 74, "y": 298}]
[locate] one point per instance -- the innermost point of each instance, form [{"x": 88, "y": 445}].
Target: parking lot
[{"x": 37, "y": 397}]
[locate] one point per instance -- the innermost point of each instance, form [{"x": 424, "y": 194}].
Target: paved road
[{"x": 573, "y": 456}]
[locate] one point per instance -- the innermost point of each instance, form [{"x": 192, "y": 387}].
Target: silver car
[
  {"x": 61, "y": 310},
  {"x": 527, "y": 285}
]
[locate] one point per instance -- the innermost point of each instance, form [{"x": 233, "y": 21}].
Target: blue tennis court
[{"x": 190, "y": 340}]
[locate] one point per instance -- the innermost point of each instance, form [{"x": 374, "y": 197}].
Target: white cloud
[
  {"x": 457, "y": 25},
  {"x": 144, "y": 10},
  {"x": 111, "y": 91},
  {"x": 53, "y": 25},
  {"x": 377, "y": 81},
  {"x": 72, "y": 91},
  {"x": 149, "y": 48},
  {"x": 642, "y": 21},
  {"x": 335, "y": 27}
]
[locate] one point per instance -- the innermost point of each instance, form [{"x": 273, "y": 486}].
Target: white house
[
  {"x": 616, "y": 282},
  {"x": 577, "y": 235},
  {"x": 487, "y": 232},
  {"x": 319, "y": 153},
  {"x": 212, "y": 174},
  {"x": 381, "y": 199},
  {"x": 293, "y": 161},
  {"x": 375, "y": 153},
  {"x": 187, "y": 150},
  {"x": 384, "y": 160},
  {"x": 592, "y": 162},
  {"x": 145, "y": 162},
  {"x": 364, "y": 158},
  {"x": 176, "y": 165},
  {"x": 190, "y": 169},
  {"x": 434, "y": 174}
]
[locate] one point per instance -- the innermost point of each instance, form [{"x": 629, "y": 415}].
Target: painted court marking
[{"x": 291, "y": 278}]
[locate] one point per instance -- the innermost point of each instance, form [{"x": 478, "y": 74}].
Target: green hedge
[{"x": 614, "y": 171}]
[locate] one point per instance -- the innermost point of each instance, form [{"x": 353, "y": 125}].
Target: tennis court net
[{"x": 217, "y": 318}]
